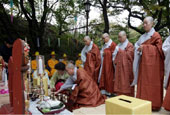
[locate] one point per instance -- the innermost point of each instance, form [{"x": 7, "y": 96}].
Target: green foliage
[{"x": 64, "y": 13}]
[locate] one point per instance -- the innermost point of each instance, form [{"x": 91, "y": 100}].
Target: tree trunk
[{"x": 105, "y": 16}]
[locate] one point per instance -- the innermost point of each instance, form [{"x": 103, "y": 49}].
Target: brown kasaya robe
[
  {"x": 166, "y": 102},
  {"x": 107, "y": 75},
  {"x": 151, "y": 72},
  {"x": 86, "y": 93},
  {"x": 123, "y": 71},
  {"x": 93, "y": 61}
]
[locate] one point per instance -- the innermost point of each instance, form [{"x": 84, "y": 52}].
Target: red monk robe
[
  {"x": 123, "y": 71},
  {"x": 166, "y": 50},
  {"x": 151, "y": 72},
  {"x": 93, "y": 61},
  {"x": 166, "y": 103},
  {"x": 107, "y": 75},
  {"x": 86, "y": 93}
]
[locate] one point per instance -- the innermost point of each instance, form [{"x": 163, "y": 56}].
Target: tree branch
[
  {"x": 96, "y": 6},
  {"x": 53, "y": 4},
  {"x": 79, "y": 28},
  {"x": 159, "y": 19},
  {"x": 136, "y": 29},
  {"x": 31, "y": 2},
  {"x": 44, "y": 14},
  {"x": 101, "y": 3},
  {"x": 24, "y": 10}
]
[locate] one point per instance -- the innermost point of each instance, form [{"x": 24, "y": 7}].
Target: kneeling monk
[{"x": 85, "y": 92}]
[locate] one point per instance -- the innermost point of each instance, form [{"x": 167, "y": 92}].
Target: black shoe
[{"x": 111, "y": 95}]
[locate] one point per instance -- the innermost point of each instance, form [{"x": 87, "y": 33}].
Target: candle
[
  {"x": 40, "y": 66},
  {"x": 35, "y": 82},
  {"x": 45, "y": 83},
  {"x": 38, "y": 81}
]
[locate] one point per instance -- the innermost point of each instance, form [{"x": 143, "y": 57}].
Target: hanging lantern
[
  {"x": 38, "y": 42},
  {"x": 49, "y": 43},
  {"x": 11, "y": 5},
  {"x": 68, "y": 41},
  {"x": 58, "y": 42}
]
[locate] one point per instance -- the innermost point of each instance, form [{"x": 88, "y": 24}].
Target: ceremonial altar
[
  {"x": 30, "y": 96},
  {"x": 34, "y": 110}
]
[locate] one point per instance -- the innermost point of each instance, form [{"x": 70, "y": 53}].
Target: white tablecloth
[{"x": 33, "y": 109}]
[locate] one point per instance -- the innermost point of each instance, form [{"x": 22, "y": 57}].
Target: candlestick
[{"x": 29, "y": 64}]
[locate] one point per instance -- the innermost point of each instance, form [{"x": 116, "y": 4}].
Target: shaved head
[
  {"x": 149, "y": 19},
  {"x": 122, "y": 36},
  {"x": 105, "y": 37},
  {"x": 87, "y": 38},
  {"x": 148, "y": 23},
  {"x": 122, "y": 33},
  {"x": 70, "y": 66}
]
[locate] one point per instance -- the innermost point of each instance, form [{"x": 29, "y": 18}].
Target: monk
[
  {"x": 166, "y": 49},
  {"x": 106, "y": 74},
  {"x": 85, "y": 92},
  {"x": 148, "y": 66},
  {"x": 123, "y": 64},
  {"x": 90, "y": 55}
]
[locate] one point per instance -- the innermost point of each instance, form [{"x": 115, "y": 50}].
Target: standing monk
[
  {"x": 123, "y": 64},
  {"x": 90, "y": 55},
  {"x": 106, "y": 74},
  {"x": 166, "y": 49},
  {"x": 148, "y": 65}
]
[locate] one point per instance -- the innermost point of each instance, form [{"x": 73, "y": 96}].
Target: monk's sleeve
[
  {"x": 153, "y": 48},
  {"x": 98, "y": 59},
  {"x": 68, "y": 84},
  {"x": 159, "y": 46},
  {"x": 166, "y": 46},
  {"x": 74, "y": 94},
  {"x": 90, "y": 61},
  {"x": 72, "y": 98},
  {"x": 129, "y": 52}
]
